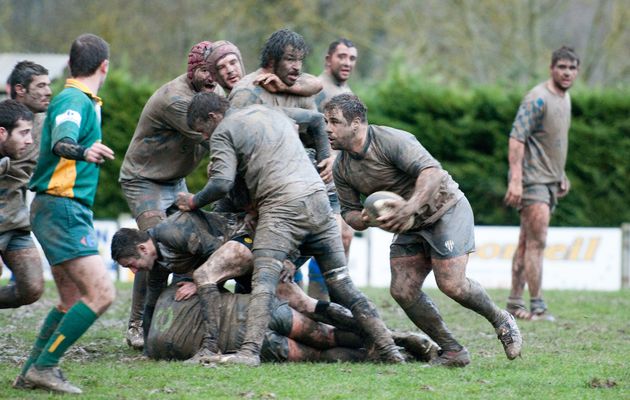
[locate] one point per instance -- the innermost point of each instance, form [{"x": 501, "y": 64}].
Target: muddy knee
[
  {"x": 26, "y": 266},
  {"x": 149, "y": 219}
]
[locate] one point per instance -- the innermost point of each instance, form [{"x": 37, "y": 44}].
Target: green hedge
[{"x": 466, "y": 130}]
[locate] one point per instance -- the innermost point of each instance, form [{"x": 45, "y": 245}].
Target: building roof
[{"x": 54, "y": 63}]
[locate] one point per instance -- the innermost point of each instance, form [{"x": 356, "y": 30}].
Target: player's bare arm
[
  {"x": 427, "y": 184},
  {"x": 515, "y": 186}
]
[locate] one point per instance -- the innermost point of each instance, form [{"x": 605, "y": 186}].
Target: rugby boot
[
  {"x": 204, "y": 356},
  {"x": 135, "y": 335},
  {"x": 245, "y": 358},
  {"x": 21, "y": 383},
  {"x": 516, "y": 307},
  {"x": 539, "y": 311},
  {"x": 451, "y": 359},
  {"x": 50, "y": 378},
  {"x": 510, "y": 336}
]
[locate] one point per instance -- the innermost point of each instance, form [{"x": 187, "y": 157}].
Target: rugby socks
[
  {"x": 210, "y": 302},
  {"x": 426, "y": 316},
  {"x": 477, "y": 299},
  {"x": 76, "y": 321},
  {"x": 48, "y": 327}
]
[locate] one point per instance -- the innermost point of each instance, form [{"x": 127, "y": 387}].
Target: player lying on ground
[{"x": 176, "y": 331}]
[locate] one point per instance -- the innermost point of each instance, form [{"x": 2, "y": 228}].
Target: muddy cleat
[
  {"x": 204, "y": 356},
  {"x": 51, "y": 379},
  {"x": 240, "y": 358},
  {"x": 510, "y": 336},
  {"x": 539, "y": 311},
  {"x": 135, "y": 335},
  {"x": 21, "y": 383},
  {"x": 543, "y": 316},
  {"x": 516, "y": 307},
  {"x": 451, "y": 359}
]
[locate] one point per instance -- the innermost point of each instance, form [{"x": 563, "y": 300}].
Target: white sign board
[{"x": 575, "y": 258}]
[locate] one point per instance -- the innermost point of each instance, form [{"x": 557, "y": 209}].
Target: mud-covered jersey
[
  {"x": 391, "y": 160},
  {"x": 163, "y": 148},
  {"x": 14, "y": 184},
  {"x": 260, "y": 144},
  {"x": 542, "y": 124}
]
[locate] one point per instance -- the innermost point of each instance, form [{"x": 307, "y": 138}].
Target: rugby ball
[{"x": 376, "y": 205}]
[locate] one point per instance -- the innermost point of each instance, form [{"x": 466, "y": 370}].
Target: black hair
[
  {"x": 125, "y": 243},
  {"x": 204, "y": 103},
  {"x": 333, "y": 46},
  {"x": 275, "y": 46},
  {"x": 11, "y": 112},
  {"x": 564, "y": 53},
  {"x": 87, "y": 53},
  {"x": 23, "y": 74},
  {"x": 349, "y": 105}
]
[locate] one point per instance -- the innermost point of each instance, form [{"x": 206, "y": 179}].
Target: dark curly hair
[{"x": 275, "y": 46}]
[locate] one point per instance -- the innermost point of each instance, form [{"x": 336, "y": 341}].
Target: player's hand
[
  {"x": 98, "y": 152},
  {"x": 565, "y": 186},
  {"x": 397, "y": 216},
  {"x": 251, "y": 220},
  {"x": 184, "y": 201},
  {"x": 271, "y": 83},
  {"x": 5, "y": 164},
  {"x": 325, "y": 169},
  {"x": 514, "y": 194},
  {"x": 185, "y": 290},
  {"x": 365, "y": 218},
  {"x": 288, "y": 271}
]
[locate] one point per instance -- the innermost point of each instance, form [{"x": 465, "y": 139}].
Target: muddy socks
[
  {"x": 48, "y": 327},
  {"x": 264, "y": 281},
  {"x": 210, "y": 302},
  {"x": 341, "y": 287},
  {"x": 426, "y": 316},
  {"x": 74, "y": 324},
  {"x": 138, "y": 296},
  {"x": 477, "y": 299}
]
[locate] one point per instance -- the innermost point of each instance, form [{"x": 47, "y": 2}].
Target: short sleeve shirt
[
  {"x": 76, "y": 114},
  {"x": 391, "y": 160},
  {"x": 261, "y": 145},
  {"x": 542, "y": 124},
  {"x": 163, "y": 148}
]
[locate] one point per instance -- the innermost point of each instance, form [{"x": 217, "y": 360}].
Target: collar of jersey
[{"x": 79, "y": 85}]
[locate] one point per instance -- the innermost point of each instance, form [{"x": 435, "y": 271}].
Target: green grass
[{"x": 584, "y": 355}]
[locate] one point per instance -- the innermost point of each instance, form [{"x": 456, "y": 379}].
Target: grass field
[{"x": 584, "y": 355}]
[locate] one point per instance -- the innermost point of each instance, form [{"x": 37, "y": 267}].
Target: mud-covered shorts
[
  {"x": 63, "y": 227},
  {"x": 451, "y": 236},
  {"x": 16, "y": 239},
  {"x": 144, "y": 195},
  {"x": 540, "y": 193},
  {"x": 306, "y": 223}
]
